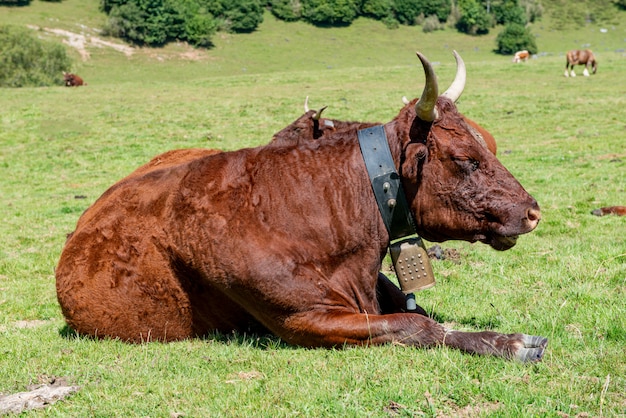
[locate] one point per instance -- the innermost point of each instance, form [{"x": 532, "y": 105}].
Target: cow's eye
[{"x": 468, "y": 164}]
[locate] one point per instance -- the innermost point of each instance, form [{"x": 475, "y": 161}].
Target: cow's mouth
[{"x": 501, "y": 243}]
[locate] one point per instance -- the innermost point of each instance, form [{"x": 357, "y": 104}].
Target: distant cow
[
  {"x": 610, "y": 210},
  {"x": 312, "y": 126},
  {"x": 72, "y": 80},
  {"x": 580, "y": 57},
  {"x": 288, "y": 238},
  {"x": 521, "y": 56}
]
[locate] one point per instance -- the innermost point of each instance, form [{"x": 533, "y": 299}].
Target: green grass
[{"x": 562, "y": 138}]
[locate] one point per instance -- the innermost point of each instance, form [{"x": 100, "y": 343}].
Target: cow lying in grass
[
  {"x": 287, "y": 238},
  {"x": 72, "y": 80}
]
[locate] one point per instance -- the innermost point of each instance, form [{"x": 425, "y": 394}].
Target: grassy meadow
[{"x": 563, "y": 138}]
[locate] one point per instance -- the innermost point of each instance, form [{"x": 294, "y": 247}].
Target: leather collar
[{"x": 385, "y": 181}]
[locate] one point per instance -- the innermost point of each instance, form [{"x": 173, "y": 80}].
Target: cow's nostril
[{"x": 534, "y": 216}]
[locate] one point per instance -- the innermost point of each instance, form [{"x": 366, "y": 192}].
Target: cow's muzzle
[{"x": 506, "y": 236}]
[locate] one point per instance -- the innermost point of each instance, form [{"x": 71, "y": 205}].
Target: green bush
[
  {"x": 439, "y": 8},
  {"x": 378, "y": 9},
  {"x": 239, "y": 15},
  {"x": 199, "y": 29},
  {"x": 330, "y": 12},
  {"x": 406, "y": 11},
  {"x": 515, "y": 37},
  {"x": 474, "y": 19},
  {"x": 509, "y": 11},
  {"x": 27, "y": 61},
  {"x": 533, "y": 9},
  {"x": 141, "y": 22},
  {"x": 431, "y": 24},
  {"x": 288, "y": 10},
  {"x": 14, "y": 2},
  {"x": 156, "y": 22}
]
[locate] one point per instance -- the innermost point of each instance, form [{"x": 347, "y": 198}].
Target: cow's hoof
[{"x": 533, "y": 348}]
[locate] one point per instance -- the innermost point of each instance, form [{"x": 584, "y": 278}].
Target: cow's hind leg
[{"x": 333, "y": 328}]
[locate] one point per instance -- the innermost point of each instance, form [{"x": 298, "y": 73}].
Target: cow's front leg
[
  {"x": 391, "y": 299},
  {"x": 334, "y": 327}
]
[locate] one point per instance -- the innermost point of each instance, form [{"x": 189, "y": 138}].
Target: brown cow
[
  {"x": 311, "y": 125},
  {"x": 521, "y": 56},
  {"x": 288, "y": 238},
  {"x": 72, "y": 80},
  {"x": 610, "y": 210},
  {"x": 580, "y": 57}
]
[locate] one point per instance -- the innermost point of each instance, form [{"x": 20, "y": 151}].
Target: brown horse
[{"x": 580, "y": 57}]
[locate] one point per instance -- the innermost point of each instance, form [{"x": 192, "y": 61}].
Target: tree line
[{"x": 157, "y": 22}]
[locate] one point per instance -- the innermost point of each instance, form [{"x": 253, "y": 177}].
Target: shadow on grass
[{"x": 242, "y": 339}]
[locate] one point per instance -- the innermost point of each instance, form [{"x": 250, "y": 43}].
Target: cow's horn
[
  {"x": 318, "y": 113},
  {"x": 306, "y": 104},
  {"x": 426, "y": 106},
  {"x": 456, "y": 88}
]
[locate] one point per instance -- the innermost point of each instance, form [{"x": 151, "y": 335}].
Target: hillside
[{"x": 280, "y": 46}]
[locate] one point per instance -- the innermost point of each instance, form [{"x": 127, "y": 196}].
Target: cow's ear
[{"x": 415, "y": 155}]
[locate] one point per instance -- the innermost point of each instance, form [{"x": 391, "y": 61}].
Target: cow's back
[{"x": 173, "y": 244}]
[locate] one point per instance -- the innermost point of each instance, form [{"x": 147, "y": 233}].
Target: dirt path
[{"x": 80, "y": 42}]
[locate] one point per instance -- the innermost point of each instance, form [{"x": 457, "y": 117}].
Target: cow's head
[
  {"x": 312, "y": 126},
  {"x": 458, "y": 189},
  {"x": 68, "y": 78}
]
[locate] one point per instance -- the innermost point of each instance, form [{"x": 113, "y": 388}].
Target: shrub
[
  {"x": 27, "y": 61},
  {"x": 533, "y": 9},
  {"x": 474, "y": 19},
  {"x": 330, "y": 12},
  {"x": 406, "y": 11},
  {"x": 242, "y": 15},
  {"x": 14, "y": 2},
  {"x": 142, "y": 22},
  {"x": 107, "y": 5},
  {"x": 156, "y": 22},
  {"x": 515, "y": 37},
  {"x": 439, "y": 8},
  {"x": 288, "y": 10},
  {"x": 391, "y": 23},
  {"x": 509, "y": 11},
  {"x": 431, "y": 24},
  {"x": 453, "y": 17},
  {"x": 199, "y": 29},
  {"x": 378, "y": 9}
]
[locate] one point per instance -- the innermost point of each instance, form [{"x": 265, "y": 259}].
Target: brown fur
[
  {"x": 521, "y": 56},
  {"x": 580, "y": 57},
  {"x": 73, "y": 80},
  {"x": 286, "y": 238},
  {"x": 610, "y": 210},
  {"x": 306, "y": 128}
]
